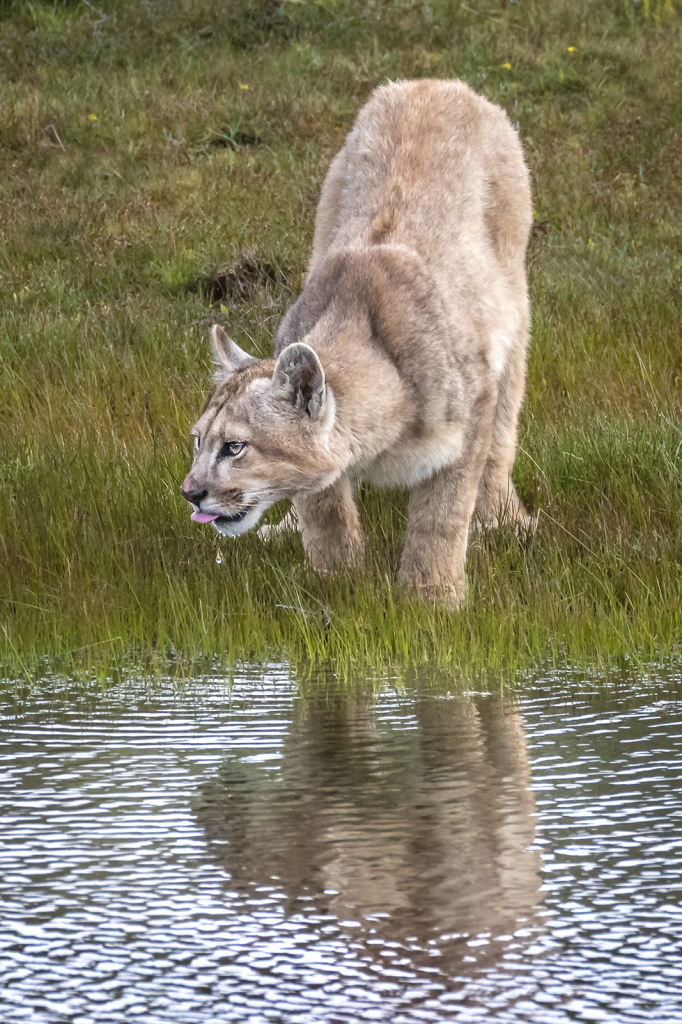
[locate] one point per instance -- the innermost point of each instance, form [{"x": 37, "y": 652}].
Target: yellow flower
[
  {"x": 571, "y": 49},
  {"x": 243, "y": 87},
  {"x": 93, "y": 117},
  {"x": 507, "y": 66}
]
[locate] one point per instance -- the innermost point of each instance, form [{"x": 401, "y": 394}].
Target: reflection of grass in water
[{"x": 114, "y": 207}]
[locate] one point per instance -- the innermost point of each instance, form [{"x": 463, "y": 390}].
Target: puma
[{"x": 403, "y": 361}]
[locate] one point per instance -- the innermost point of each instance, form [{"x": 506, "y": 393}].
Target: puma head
[{"x": 263, "y": 436}]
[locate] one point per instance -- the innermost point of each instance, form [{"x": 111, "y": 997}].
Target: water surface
[{"x": 263, "y": 852}]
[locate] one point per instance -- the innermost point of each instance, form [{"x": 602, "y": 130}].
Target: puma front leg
[
  {"x": 439, "y": 513},
  {"x": 330, "y": 527}
]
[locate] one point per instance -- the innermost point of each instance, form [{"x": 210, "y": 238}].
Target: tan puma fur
[{"x": 403, "y": 360}]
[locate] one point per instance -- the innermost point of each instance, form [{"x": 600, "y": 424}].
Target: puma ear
[
  {"x": 227, "y": 356},
  {"x": 299, "y": 379}
]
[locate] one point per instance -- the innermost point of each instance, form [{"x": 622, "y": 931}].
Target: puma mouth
[{"x": 219, "y": 520}]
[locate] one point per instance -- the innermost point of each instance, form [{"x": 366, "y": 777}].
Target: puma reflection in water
[{"x": 419, "y": 829}]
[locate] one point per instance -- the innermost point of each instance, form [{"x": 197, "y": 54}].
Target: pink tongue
[{"x": 202, "y": 517}]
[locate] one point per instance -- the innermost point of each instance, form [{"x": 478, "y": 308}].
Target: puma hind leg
[{"x": 497, "y": 501}]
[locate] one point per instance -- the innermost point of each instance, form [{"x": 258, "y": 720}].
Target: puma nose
[
  {"x": 190, "y": 491},
  {"x": 196, "y": 497}
]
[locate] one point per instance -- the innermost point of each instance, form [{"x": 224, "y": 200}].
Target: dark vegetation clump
[
  {"x": 234, "y": 138},
  {"x": 240, "y": 281},
  {"x": 142, "y": 143}
]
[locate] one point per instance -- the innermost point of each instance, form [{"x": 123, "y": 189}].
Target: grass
[{"x": 144, "y": 147}]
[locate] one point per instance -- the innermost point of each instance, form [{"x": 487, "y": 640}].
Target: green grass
[{"x": 134, "y": 163}]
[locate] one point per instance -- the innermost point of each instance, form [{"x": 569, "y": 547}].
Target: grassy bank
[{"x": 145, "y": 148}]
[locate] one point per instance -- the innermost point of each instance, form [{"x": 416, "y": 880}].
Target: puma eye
[{"x": 231, "y": 449}]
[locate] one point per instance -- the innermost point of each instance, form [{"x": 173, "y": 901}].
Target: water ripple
[{"x": 249, "y": 853}]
